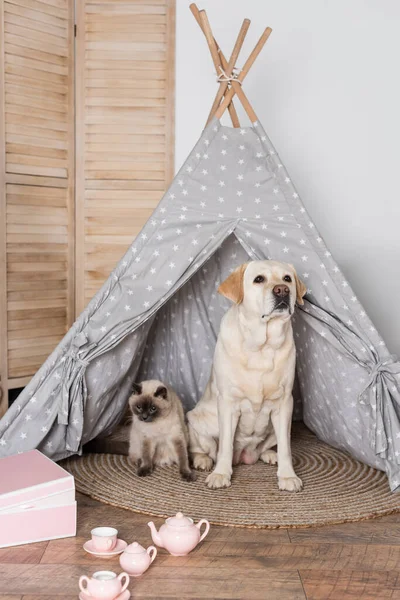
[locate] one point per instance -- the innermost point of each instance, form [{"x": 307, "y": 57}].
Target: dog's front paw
[
  {"x": 202, "y": 462},
  {"x": 218, "y": 480},
  {"x": 189, "y": 475},
  {"x": 270, "y": 457},
  {"x": 290, "y": 484},
  {"x": 143, "y": 471}
]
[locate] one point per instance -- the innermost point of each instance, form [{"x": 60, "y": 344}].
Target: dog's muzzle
[{"x": 281, "y": 295}]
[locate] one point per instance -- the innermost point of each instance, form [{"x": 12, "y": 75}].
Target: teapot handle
[
  {"x": 152, "y": 552},
  {"x": 207, "y": 529}
]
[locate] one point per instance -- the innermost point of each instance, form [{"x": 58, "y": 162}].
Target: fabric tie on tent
[
  {"x": 71, "y": 358},
  {"x": 383, "y": 403},
  {"x": 73, "y": 392},
  {"x": 382, "y": 373}
]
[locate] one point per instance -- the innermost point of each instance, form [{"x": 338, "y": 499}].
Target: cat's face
[{"x": 148, "y": 407}]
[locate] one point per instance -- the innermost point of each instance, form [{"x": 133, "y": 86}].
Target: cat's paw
[
  {"x": 189, "y": 475},
  {"x": 144, "y": 470},
  {"x": 202, "y": 462},
  {"x": 218, "y": 480}
]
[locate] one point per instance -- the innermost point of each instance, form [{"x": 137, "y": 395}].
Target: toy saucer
[
  {"x": 90, "y": 549},
  {"x": 124, "y": 596}
]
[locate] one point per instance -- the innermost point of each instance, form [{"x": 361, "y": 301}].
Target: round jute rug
[{"x": 337, "y": 489}]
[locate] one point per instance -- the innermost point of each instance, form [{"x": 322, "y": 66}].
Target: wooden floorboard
[
  {"x": 342, "y": 562},
  {"x": 348, "y": 585},
  {"x": 364, "y": 532}
]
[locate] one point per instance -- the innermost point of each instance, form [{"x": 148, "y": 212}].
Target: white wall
[{"x": 327, "y": 90}]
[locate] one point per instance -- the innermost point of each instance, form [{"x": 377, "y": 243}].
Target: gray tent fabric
[{"x": 158, "y": 314}]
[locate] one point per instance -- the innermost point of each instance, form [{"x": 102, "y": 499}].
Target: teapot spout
[{"x": 155, "y": 535}]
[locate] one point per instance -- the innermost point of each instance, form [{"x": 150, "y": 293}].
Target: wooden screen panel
[
  {"x": 38, "y": 65},
  {"x": 125, "y": 109}
]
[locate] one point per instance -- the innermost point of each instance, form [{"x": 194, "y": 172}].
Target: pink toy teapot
[
  {"x": 135, "y": 559},
  {"x": 179, "y": 535}
]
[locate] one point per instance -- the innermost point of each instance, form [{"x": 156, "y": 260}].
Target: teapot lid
[
  {"x": 179, "y": 520},
  {"x": 135, "y": 548}
]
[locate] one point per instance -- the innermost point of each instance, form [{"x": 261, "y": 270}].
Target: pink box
[{"x": 37, "y": 500}]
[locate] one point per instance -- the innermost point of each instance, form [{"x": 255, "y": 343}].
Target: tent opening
[{"x": 177, "y": 344}]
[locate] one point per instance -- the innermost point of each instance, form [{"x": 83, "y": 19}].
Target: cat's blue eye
[
  {"x": 152, "y": 409},
  {"x": 139, "y": 408}
]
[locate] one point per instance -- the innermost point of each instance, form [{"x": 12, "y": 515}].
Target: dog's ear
[
  {"x": 301, "y": 289},
  {"x": 161, "y": 392},
  {"x": 232, "y": 287},
  {"x": 136, "y": 389}
]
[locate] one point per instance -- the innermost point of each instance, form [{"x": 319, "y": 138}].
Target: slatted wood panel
[
  {"x": 125, "y": 66},
  {"x": 39, "y": 172}
]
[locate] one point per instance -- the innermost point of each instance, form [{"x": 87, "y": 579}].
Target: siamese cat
[{"x": 158, "y": 434}]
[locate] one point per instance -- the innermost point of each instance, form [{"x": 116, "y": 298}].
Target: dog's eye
[
  {"x": 152, "y": 409},
  {"x": 259, "y": 279},
  {"x": 287, "y": 278}
]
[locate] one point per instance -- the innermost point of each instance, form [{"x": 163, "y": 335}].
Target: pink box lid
[{"x": 30, "y": 474}]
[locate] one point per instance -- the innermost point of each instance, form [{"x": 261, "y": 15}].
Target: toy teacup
[{"x": 104, "y": 539}]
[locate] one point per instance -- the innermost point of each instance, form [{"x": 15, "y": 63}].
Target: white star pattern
[{"x": 200, "y": 188}]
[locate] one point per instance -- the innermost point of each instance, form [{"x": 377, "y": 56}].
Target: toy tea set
[{"x": 179, "y": 535}]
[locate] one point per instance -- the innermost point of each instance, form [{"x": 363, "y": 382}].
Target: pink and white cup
[
  {"x": 104, "y": 539},
  {"x": 104, "y": 585}
]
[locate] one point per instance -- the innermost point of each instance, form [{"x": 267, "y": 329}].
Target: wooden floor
[{"x": 351, "y": 561}]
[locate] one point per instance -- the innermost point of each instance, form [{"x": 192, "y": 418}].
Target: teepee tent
[{"x": 158, "y": 313}]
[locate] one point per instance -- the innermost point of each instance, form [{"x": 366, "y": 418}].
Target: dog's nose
[{"x": 281, "y": 291}]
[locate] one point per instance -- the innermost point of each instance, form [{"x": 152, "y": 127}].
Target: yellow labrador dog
[{"x": 247, "y": 406}]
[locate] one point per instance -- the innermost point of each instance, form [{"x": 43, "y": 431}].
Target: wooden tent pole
[
  {"x": 242, "y": 96},
  {"x": 217, "y": 63},
  {"x": 228, "y": 67},
  {"x": 236, "y": 86},
  {"x": 247, "y": 66}
]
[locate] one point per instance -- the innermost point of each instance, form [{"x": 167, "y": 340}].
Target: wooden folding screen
[
  {"x": 37, "y": 201},
  {"x": 125, "y": 60},
  {"x": 66, "y": 220}
]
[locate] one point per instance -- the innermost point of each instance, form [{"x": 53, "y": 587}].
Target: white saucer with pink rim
[
  {"x": 119, "y": 547},
  {"x": 123, "y": 596}
]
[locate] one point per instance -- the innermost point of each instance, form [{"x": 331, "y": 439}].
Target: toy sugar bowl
[
  {"x": 104, "y": 585},
  {"x": 179, "y": 535},
  {"x": 135, "y": 559}
]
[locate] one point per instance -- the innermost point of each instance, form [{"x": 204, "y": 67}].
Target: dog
[{"x": 247, "y": 406}]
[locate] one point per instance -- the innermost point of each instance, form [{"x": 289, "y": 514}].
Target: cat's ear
[
  {"x": 136, "y": 389},
  {"x": 161, "y": 392}
]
